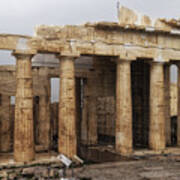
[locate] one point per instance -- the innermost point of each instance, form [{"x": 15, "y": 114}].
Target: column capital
[
  {"x": 122, "y": 60},
  {"x": 20, "y": 54},
  {"x": 72, "y": 57},
  {"x": 157, "y": 63},
  {"x": 160, "y": 59}
]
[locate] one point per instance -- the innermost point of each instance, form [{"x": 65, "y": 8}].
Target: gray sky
[{"x": 21, "y": 16}]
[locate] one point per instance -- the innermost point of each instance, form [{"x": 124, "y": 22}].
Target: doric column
[
  {"x": 5, "y": 124},
  {"x": 157, "y": 139},
  {"x": 23, "y": 125},
  {"x": 44, "y": 122},
  {"x": 178, "y": 119},
  {"x": 167, "y": 103},
  {"x": 123, "y": 108},
  {"x": 67, "y": 142}
]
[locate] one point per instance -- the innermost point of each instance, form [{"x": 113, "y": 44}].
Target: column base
[{"x": 124, "y": 151}]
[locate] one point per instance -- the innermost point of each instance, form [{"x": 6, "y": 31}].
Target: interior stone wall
[
  {"x": 106, "y": 115},
  {"x": 105, "y": 77}
]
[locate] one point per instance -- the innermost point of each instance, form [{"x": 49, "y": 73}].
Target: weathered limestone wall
[
  {"x": 106, "y": 115},
  {"x": 106, "y": 98}
]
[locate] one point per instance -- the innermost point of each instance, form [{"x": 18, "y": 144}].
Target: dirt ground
[{"x": 159, "y": 168}]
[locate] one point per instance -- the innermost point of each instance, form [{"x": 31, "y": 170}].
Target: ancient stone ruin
[{"x": 114, "y": 86}]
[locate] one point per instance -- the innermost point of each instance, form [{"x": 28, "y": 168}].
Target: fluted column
[
  {"x": 44, "y": 122},
  {"x": 167, "y": 103},
  {"x": 157, "y": 138},
  {"x": 23, "y": 126},
  {"x": 123, "y": 108},
  {"x": 67, "y": 141},
  {"x": 43, "y": 119},
  {"x": 5, "y": 124},
  {"x": 178, "y": 119}
]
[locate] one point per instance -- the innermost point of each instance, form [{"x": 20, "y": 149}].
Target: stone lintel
[{"x": 75, "y": 54}]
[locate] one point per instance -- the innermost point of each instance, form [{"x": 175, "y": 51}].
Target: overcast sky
[{"x": 21, "y": 16}]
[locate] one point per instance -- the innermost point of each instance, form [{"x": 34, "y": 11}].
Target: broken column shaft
[
  {"x": 157, "y": 107},
  {"x": 123, "y": 108},
  {"x": 23, "y": 126},
  {"x": 67, "y": 142}
]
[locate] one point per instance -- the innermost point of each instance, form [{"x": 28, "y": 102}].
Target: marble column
[
  {"x": 157, "y": 140},
  {"x": 67, "y": 140},
  {"x": 23, "y": 126},
  {"x": 124, "y": 144},
  {"x": 44, "y": 122},
  {"x": 5, "y": 124},
  {"x": 43, "y": 119}
]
